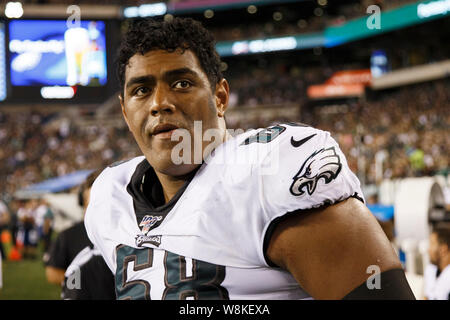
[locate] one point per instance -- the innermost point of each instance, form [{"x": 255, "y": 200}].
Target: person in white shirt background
[
  {"x": 28, "y": 233},
  {"x": 437, "y": 273}
]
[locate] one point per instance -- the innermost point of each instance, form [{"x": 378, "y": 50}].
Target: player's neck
[{"x": 172, "y": 184}]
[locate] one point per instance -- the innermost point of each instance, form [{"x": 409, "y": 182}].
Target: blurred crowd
[
  {"x": 306, "y": 17},
  {"x": 268, "y": 84},
  {"x": 34, "y": 149}
]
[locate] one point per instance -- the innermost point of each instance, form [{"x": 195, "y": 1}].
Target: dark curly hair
[{"x": 148, "y": 34}]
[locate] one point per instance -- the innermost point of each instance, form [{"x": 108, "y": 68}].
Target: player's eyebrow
[
  {"x": 167, "y": 76},
  {"x": 140, "y": 80},
  {"x": 179, "y": 72}
]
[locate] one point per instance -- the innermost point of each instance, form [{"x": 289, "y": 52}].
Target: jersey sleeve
[
  {"x": 308, "y": 170},
  {"x": 95, "y": 220}
]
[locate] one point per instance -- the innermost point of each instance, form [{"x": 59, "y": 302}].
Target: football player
[
  {"x": 272, "y": 213},
  {"x": 437, "y": 273}
]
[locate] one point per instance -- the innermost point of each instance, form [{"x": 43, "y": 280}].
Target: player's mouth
[{"x": 163, "y": 130}]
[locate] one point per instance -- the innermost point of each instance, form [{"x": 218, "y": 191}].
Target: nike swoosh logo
[{"x": 298, "y": 143}]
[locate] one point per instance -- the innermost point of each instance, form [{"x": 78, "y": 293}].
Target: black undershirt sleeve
[
  {"x": 393, "y": 286},
  {"x": 58, "y": 250}
]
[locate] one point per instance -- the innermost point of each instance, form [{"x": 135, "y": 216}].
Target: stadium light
[
  {"x": 252, "y": 9},
  {"x": 318, "y": 12},
  {"x": 168, "y": 17},
  {"x": 57, "y": 92},
  {"x": 277, "y": 16},
  {"x": 302, "y": 23},
  {"x": 13, "y": 10},
  {"x": 146, "y": 10},
  {"x": 264, "y": 45},
  {"x": 208, "y": 13},
  {"x": 426, "y": 10}
]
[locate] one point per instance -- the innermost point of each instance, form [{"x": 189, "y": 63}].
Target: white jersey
[
  {"x": 40, "y": 213},
  {"x": 209, "y": 241},
  {"x": 437, "y": 288}
]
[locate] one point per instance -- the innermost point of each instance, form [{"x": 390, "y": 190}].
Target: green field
[{"x": 25, "y": 280}]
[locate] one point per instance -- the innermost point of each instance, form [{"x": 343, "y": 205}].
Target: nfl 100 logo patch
[{"x": 148, "y": 222}]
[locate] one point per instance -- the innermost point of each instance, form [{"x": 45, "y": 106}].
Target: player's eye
[
  {"x": 182, "y": 84},
  {"x": 140, "y": 91}
]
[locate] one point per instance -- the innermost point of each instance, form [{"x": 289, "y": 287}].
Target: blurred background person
[
  {"x": 437, "y": 273},
  {"x": 75, "y": 264},
  {"x": 15, "y": 204},
  {"x": 4, "y": 223},
  {"x": 384, "y": 215},
  {"x": 65, "y": 248},
  {"x": 28, "y": 234},
  {"x": 88, "y": 277},
  {"x": 44, "y": 222}
]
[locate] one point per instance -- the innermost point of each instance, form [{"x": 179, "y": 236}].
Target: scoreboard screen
[
  {"x": 3, "y": 85},
  {"x": 51, "y": 53}
]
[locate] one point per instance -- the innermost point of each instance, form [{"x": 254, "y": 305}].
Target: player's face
[
  {"x": 164, "y": 91},
  {"x": 433, "y": 249}
]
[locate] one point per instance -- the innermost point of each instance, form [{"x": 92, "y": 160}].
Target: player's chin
[
  {"x": 175, "y": 170},
  {"x": 180, "y": 170},
  {"x": 169, "y": 159}
]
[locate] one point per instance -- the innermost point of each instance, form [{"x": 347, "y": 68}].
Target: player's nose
[{"x": 161, "y": 102}]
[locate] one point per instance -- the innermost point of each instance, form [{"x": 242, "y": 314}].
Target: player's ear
[
  {"x": 222, "y": 94},
  {"x": 124, "y": 112}
]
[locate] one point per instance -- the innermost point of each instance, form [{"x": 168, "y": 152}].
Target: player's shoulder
[
  {"x": 109, "y": 192},
  {"x": 117, "y": 171},
  {"x": 263, "y": 149},
  {"x": 309, "y": 143},
  {"x": 124, "y": 166},
  {"x": 299, "y": 134},
  {"x": 118, "y": 174},
  {"x": 286, "y": 140},
  {"x": 294, "y": 133}
]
